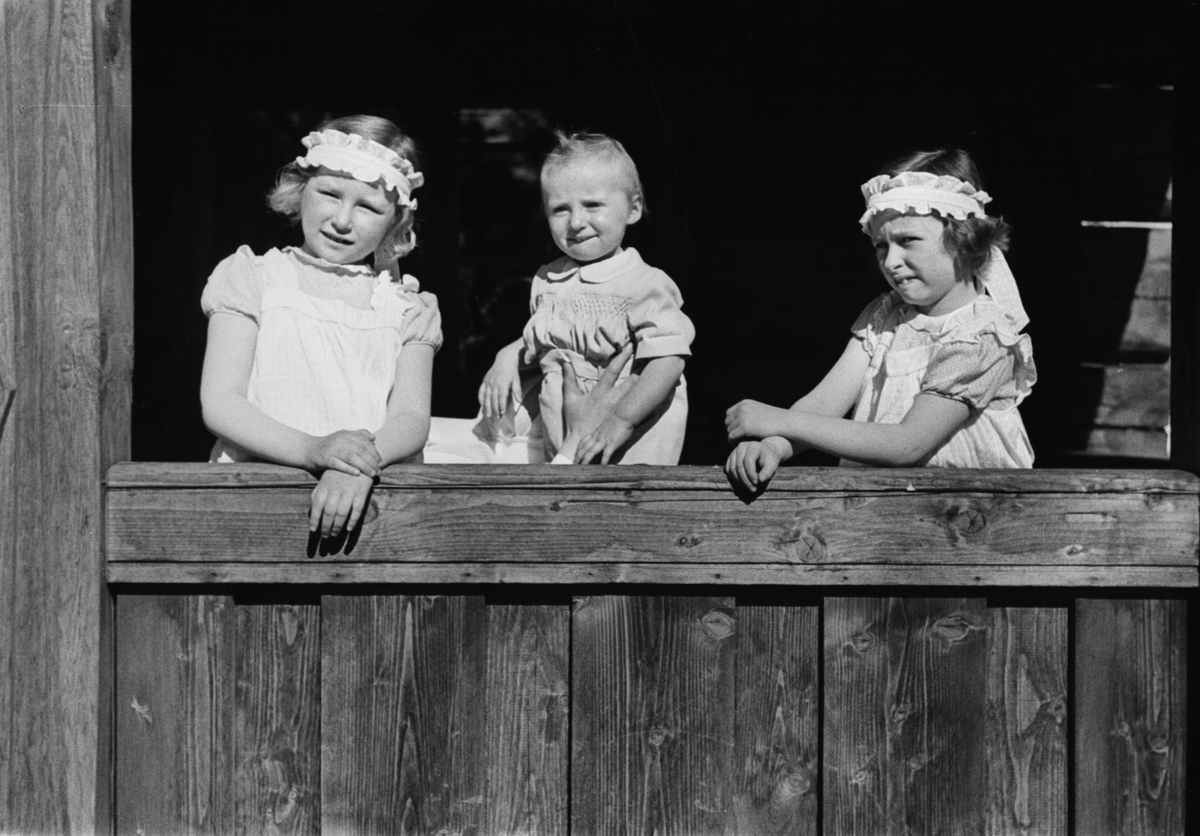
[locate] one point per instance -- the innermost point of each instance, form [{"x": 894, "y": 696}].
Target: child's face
[
  {"x": 588, "y": 208},
  {"x": 917, "y": 265},
  {"x": 344, "y": 219}
]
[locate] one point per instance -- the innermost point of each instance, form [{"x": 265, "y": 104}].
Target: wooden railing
[{"x": 635, "y": 649}]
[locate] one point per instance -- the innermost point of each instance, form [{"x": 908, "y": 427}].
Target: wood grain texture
[
  {"x": 175, "y": 715},
  {"x": 402, "y": 734},
  {"x": 652, "y": 715},
  {"x": 1131, "y": 728},
  {"x": 620, "y": 478},
  {"x": 1027, "y": 722},
  {"x": 528, "y": 717},
  {"x": 114, "y": 222},
  {"x": 49, "y": 289},
  {"x": 666, "y": 526},
  {"x": 905, "y": 703},
  {"x": 676, "y": 574},
  {"x": 1185, "y": 262},
  {"x": 776, "y": 750},
  {"x": 278, "y": 766}
]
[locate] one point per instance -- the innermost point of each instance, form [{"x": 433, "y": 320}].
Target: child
[
  {"x": 589, "y": 304},
  {"x": 936, "y": 367},
  {"x": 316, "y": 356}
]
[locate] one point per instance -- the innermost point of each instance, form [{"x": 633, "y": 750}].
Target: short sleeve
[
  {"x": 871, "y": 321},
  {"x": 660, "y": 326},
  {"x": 423, "y": 322},
  {"x": 982, "y": 372},
  {"x": 235, "y": 286}
]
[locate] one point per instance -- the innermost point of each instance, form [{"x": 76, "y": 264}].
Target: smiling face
[
  {"x": 344, "y": 220},
  {"x": 917, "y": 265},
  {"x": 589, "y": 207}
]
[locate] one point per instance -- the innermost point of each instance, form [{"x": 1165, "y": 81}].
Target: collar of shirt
[{"x": 597, "y": 272}]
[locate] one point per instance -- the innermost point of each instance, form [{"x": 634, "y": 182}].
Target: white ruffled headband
[
  {"x": 363, "y": 159},
  {"x": 922, "y": 193}
]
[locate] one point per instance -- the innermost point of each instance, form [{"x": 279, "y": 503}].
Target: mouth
[{"x": 337, "y": 239}]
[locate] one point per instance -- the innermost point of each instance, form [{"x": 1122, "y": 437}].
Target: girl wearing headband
[
  {"x": 321, "y": 356},
  {"x": 936, "y": 367}
]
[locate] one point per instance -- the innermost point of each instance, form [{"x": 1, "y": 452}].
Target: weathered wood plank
[
  {"x": 651, "y": 526},
  {"x": 49, "y": 291},
  {"x": 776, "y": 747},
  {"x": 278, "y": 719},
  {"x": 128, "y": 475},
  {"x": 175, "y": 715},
  {"x": 904, "y": 717},
  {"x": 1131, "y": 727},
  {"x": 651, "y": 712},
  {"x": 401, "y": 714},
  {"x": 685, "y": 574},
  {"x": 528, "y": 717},
  {"x": 1027, "y": 722}
]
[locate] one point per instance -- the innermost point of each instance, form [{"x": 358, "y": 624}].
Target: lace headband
[
  {"x": 922, "y": 193},
  {"x": 363, "y": 159}
]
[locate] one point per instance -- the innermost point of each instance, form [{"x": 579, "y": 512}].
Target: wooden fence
[{"x": 639, "y": 650}]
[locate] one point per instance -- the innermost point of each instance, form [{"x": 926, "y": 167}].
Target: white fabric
[
  {"x": 319, "y": 365},
  {"x": 922, "y": 192},
  {"x": 363, "y": 159}
]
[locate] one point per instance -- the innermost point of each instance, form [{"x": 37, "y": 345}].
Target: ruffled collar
[
  {"x": 595, "y": 272},
  {"x": 340, "y": 270},
  {"x": 913, "y": 318}
]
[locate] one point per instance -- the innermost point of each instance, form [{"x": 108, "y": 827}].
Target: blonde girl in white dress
[
  {"x": 321, "y": 356},
  {"x": 936, "y": 368}
]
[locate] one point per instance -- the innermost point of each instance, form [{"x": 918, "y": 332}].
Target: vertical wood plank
[
  {"x": 49, "y": 290},
  {"x": 528, "y": 717},
  {"x": 1131, "y": 728},
  {"x": 278, "y": 719},
  {"x": 1027, "y": 722},
  {"x": 402, "y": 714},
  {"x": 175, "y": 723},
  {"x": 776, "y": 727},
  {"x": 652, "y": 705},
  {"x": 904, "y": 722}
]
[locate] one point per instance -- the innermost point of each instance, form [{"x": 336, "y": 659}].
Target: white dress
[
  {"x": 973, "y": 355},
  {"x": 328, "y": 337}
]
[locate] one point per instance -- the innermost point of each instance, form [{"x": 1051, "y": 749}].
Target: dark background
[{"x": 752, "y": 130}]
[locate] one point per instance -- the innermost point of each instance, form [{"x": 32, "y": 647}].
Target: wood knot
[
  {"x": 955, "y": 627},
  {"x": 657, "y": 737},
  {"x": 718, "y": 623},
  {"x": 1058, "y": 710},
  {"x": 962, "y": 521},
  {"x": 687, "y": 541},
  {"x": 860, "y": 642},
  {"x": 804, "y": 543}
]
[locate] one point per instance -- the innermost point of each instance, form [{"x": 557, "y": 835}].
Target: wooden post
[
  {"x": 1185, "y": 296},
  {"x": 66, "y": 290}
]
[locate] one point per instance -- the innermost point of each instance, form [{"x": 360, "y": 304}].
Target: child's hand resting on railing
[{"x": 352, "y": 452}]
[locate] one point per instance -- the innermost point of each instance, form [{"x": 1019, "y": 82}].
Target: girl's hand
[
  {"x": 753, "y": 463},
  {"x": 503, "y": 381},
  {"x": 352, "y": 452},
  {"x": 751, "y": 419},
  {"x": 585, "y": 412},
  {"x": 338, "y": 502},
  {"x": 605, "y": 440}
]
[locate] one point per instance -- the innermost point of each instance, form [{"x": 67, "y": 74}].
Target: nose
[
  {"x": 341, "y": 218},
  {"x": 578, "y": 218},
  {"x": 893, "y": 258}
]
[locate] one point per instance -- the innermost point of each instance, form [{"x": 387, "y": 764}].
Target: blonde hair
[
  {"x": 589, "y": 146},
  {"x": 401, "y": 239}
]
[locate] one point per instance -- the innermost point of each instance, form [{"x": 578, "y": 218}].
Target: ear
[{"x": 635, "y": 208}]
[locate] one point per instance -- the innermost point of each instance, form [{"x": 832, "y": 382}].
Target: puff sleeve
[
  {"x": 658, "y": 322},
  {"x": 235, "y": 286},
  {"x": 422, "y": 322},
  {"x": 870, "y": 322},
  {"x": 992, "y": 369}
]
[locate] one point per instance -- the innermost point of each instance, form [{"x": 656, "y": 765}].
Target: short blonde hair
[
  {"x": 582, "y": 145},
  {"x": 285, "y": 197}
]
